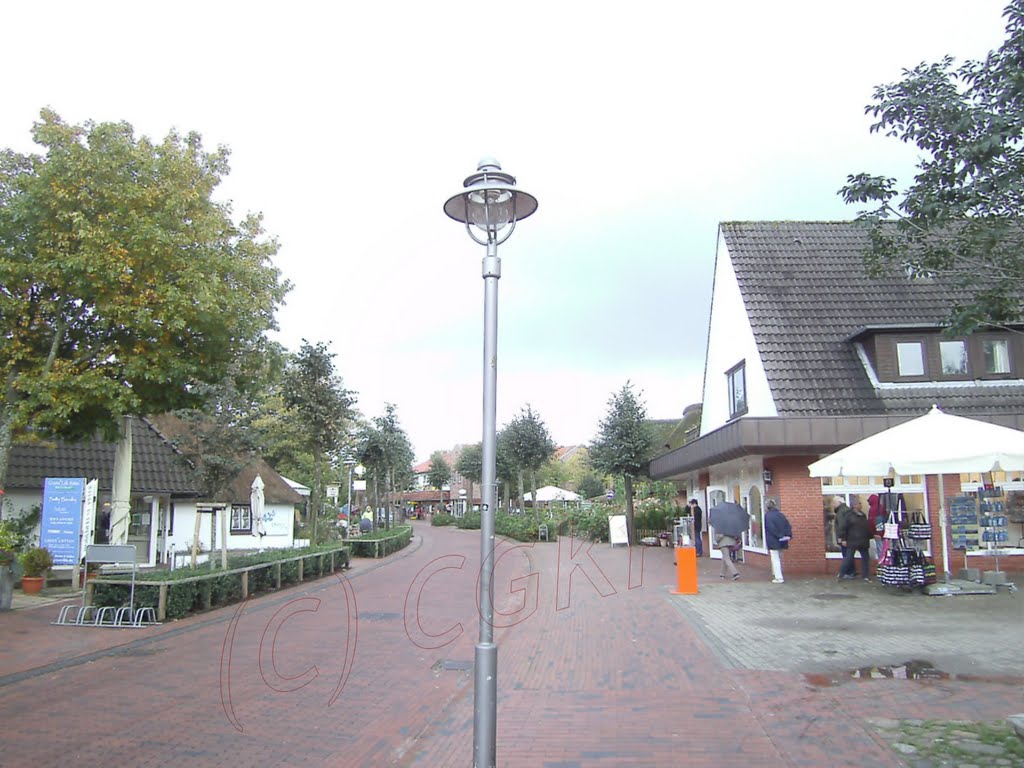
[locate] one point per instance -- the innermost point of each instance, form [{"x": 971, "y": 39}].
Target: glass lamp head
[{"x": 490, "y": 201}]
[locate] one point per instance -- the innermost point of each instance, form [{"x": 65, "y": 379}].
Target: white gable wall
[
  {"x": 731, "y": 341},
  {"x": 279, "y": 533}
]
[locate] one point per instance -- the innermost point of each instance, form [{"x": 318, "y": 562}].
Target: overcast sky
[{"x": 638, "y": 126}]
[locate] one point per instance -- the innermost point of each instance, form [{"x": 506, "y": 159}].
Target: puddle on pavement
[
  {"x": 908, "y": 670},
  {"x": 917, "y": 669}
]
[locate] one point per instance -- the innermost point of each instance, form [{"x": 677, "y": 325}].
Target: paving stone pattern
[{"x": 599, "y": 665}]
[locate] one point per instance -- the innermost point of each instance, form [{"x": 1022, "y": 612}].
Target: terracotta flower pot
[{"x": 32, "y": 585}]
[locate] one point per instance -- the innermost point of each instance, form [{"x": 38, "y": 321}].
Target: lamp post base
[{"x": 485, "y": 705}]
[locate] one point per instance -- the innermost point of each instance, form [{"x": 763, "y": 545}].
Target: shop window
[
  {"x": 954, "y": 357},
  {"x": 755, "y": 536},
  {"x": 910, "y": 358},
  {"x": 909, "y": 498},
  {"x": 241, "y": 518},
  {"x": 996, "y": 356},
  {"x": 141, "y": 517},
  {"x": 737, "y": 378}
]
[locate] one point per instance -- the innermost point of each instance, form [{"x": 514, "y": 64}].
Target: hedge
[
  {"x": 381, "y": 543},
  {"x": 191, "y": 591}
]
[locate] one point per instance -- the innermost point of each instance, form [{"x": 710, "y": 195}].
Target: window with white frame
[
  {"x": 954, "y": 357},
  {"x": 241, "y": 518},
  {"x": 996, "y": 355},
  {"x": 737, "y": 379},
  {"x": 910, "y": 358}
]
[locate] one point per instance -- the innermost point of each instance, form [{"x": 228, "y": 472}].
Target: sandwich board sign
[
  {"x": 618, "y": 533},
  {"x": 61, "y": 523}
]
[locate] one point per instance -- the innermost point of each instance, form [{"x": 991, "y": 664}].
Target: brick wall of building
[{"x": 799, "y": 498}]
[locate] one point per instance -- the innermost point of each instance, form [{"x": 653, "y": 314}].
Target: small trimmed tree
[
  {"x": 529, "y": 445},
  {"x": 471, "y": 466},
  {"x": 623, "y": 444},
  {"x": 315, "y": 392},
  {"x": 439, "y": 474}
]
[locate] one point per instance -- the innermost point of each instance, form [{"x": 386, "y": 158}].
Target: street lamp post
[
  {"x": 490, "y": 204},
  {"x": 350, "y": 463}
]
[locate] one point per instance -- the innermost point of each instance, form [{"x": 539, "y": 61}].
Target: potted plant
[
  {"x": 88, "y": 574},
  {"x": 35, "y": 563}
]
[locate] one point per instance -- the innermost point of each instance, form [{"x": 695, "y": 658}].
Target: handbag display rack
[
  {"x": 919, "y": 527},
  {"x": 902, "y": 565}
]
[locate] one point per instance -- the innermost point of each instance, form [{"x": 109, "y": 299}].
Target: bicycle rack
[{"x": 109, "y": 616}]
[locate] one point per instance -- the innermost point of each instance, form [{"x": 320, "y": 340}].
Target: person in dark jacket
[
  {"x": 839, "y": 513},
  {"x": 698, "y": 525},
  {"x": 777, "y": 533},
  {"x": 855, "y": 534},
  {"x": 876, "y": 521}
]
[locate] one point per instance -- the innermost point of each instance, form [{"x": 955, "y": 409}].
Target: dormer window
[
  {"x": 954, "y": 357},
  {"x": 737, "y": 379},
  {"x": 996, "y": 355},
  {"x": 910, "y": 358}
]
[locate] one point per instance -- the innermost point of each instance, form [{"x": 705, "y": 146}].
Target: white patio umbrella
[
  {"x": 934, "y": 444},
  {"x": 552, "y": 493},
  {"x": 256, "y": 503}
]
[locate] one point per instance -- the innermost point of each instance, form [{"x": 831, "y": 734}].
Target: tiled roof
[
  {"x": 275, "y": 488},
  {"x": 806, "y": 292},
  {"x": 157, "y": 466}
]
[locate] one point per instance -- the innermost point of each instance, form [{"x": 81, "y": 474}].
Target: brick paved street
[{"x": 598, "y": 666}]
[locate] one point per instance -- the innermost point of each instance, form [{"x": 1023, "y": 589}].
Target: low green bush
[
  {"x": 441, "y": 518},
  {"x": 213, "y": 587},
  {"x": 182, "y": 599},
  {"x": 519, "y": 527},
  {"x": 470, "y": 521},
  {"x": 390, "y": 541},
  {"x": 226, "y": 589}
]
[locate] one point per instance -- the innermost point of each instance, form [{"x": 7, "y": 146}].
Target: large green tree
[
  {"x": 123, "y": 284},
  {"x": 315, "y": 391},
  {"x": 623, "y": 444},
  {"x": 280, "y": 438},
  {"x": 221, "y": 437},
  {"x": 961, "y": 216}
]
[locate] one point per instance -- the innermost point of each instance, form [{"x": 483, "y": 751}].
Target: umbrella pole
[{"x": 942, "y": 527}]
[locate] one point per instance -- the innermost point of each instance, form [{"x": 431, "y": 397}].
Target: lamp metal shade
[{"x": 490, "y": 200}]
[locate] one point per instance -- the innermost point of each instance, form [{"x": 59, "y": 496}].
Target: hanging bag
[
  {"x": 920, "y": 528},
  {"x": 892, "y": 528}
]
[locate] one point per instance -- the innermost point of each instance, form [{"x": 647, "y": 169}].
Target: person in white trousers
[{"x": 777, "y": 534}]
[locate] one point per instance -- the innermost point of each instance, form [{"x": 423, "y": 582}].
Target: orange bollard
[{"x": 686, "y": 571}]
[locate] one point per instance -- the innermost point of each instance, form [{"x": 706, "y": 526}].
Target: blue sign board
[{"x": 62, "y": 518}]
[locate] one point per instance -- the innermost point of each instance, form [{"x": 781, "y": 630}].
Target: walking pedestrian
[
  {"x": 725, "y": 545},
  {"x": 777, "y": 534},
  {"x": 698, "y": 525}
]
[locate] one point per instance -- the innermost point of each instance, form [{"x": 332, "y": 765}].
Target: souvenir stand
[
  {"x": 938, "y": 444},
  {"x": 992, "y": 521},
  {"x": 902, "y": 561}
]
